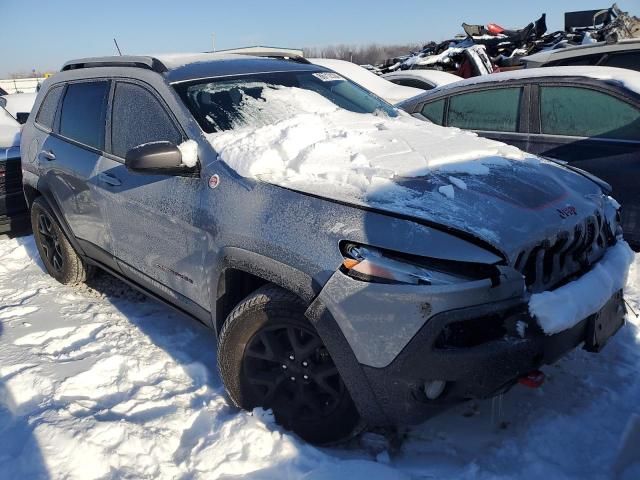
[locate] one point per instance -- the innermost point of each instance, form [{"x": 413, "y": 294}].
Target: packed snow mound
[
  {"x": 311, "y": 144},
  {"x": 563, "y": 308},
  {"x": 101, "y": 384},
  {"x": 189, "y": 152}
]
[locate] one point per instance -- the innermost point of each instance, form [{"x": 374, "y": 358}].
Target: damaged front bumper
[{"x": 477, "y": 338}]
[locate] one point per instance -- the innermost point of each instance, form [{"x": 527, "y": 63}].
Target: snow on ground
[{"x": 99, "y": 382}]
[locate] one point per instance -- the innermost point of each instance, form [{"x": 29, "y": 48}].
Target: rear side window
[
  {"x": 138, "y": 118},
  {"x": 580, "y": 112},
  {"x": 579, "y": 60},
  {"x": 630, "y": 60},
  {"x": 496, "y": 110},
  {"x": 412, "y": 82},
  {"x": 434, "y": 111},
  {"x": 47, "y": 111},
  {"x": 83, "y": 113}
]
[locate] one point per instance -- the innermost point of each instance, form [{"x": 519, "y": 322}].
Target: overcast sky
[{"x": 43, "y": 34}]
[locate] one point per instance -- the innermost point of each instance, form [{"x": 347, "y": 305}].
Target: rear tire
[
  {"x": 270, "y": 356},
  {"x": 60, "y": 259}
]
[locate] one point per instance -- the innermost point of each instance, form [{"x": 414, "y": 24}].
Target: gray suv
[{"x": 335, "y": 311}]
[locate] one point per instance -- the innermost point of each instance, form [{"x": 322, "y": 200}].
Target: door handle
[
  {"x": 109, "y": 179},
  {"x": 48, "y": 155}
]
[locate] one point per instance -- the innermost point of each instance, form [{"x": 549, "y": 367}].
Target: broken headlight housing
[{"x": 370, "y": 264}]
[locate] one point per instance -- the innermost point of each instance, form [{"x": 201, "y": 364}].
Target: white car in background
[
  {"x": 422, "y": 79},
  {"x": 19, "y": 105},
  {"x": 384, "y": 89}
]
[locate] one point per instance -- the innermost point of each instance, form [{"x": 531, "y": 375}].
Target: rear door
[
  {"x": 596, "y": 130},
  {"x": 70, "y": 153},
  {"x": 152, "y": 218}
]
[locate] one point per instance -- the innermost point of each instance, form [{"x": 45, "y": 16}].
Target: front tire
[
  {"x": 270, "y": 356},
  {"x": 60, "y": 259}
]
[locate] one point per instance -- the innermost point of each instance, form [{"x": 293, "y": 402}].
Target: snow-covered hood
[{"x": 408, "y": 167}]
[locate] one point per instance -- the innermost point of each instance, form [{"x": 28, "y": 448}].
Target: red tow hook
[{"x": 533, "y": 379}]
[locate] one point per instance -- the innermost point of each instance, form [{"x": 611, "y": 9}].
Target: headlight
[{"x": 371, "y": 264}]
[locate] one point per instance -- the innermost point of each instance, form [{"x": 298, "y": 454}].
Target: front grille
[
  {"x": 558, "y": 259},
  {"x": 10, "y": 177}
]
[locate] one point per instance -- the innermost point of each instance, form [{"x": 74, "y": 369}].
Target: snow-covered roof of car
[
  {"x": 628, "y": 78},
  {"x": 577, "y": 50},
  {"x": 436, "y": 77},
  {"x": 390, "y": 92}
]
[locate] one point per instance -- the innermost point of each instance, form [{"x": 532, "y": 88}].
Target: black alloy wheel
[
  {"x": 50, "y": 242},
  {"x": 292, "y": 373}
]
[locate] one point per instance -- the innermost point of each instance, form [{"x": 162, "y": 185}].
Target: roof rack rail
[
  {"x": 293, "y": 54},
  {"x": 149, "y": 63}
]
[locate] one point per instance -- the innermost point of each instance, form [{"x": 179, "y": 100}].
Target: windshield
[{"x": 262, "y": 99}]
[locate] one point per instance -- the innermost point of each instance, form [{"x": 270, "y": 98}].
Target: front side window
[
  {"x": 83, "y": 113},
  {"x": 434, "y": 111},
  {"x": 496, "y": 110},
  {"x": 262, "y": 99},
  {"x": 47, "y": 111},
  {"x": 138, "y": 118},
  {"x": 581, "y": 112}
]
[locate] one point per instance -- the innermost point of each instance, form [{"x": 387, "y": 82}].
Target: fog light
[{"x": 434, "y": 388}]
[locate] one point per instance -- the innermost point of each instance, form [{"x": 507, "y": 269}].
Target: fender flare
[{"x": 266, "y": 268}]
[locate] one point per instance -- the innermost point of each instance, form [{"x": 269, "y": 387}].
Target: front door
[{"x": 153, "y": 218}]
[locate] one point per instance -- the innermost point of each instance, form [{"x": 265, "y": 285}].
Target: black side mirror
[{"x": 159, "y": 158}]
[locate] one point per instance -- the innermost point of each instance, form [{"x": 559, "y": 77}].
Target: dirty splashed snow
[{"x": 96, "y": 382}]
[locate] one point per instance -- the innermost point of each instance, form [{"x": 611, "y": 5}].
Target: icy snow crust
[
  {"x": 563, "y": 308},
  {"x": 305, "y": 142},
  {"x": 103, "y": 384}
]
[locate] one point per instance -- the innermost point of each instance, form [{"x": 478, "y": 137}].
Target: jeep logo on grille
[{"x": 567, "y": 212}]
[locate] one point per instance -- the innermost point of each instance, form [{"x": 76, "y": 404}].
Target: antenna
[{"x": 117, "y": 47}]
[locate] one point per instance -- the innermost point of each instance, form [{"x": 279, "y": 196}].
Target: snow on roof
[
  {"x": 391, "y": 92},
  {"x": 176, "y": 60},
  {"x": 628, "y": 78}
]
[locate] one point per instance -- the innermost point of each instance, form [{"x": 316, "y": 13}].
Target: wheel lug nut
[
  {"x": 306, "y": 377},
  {"x": 284, "y": 367},
  {"x": 293, "y": 379},
  {"x": 305, "y": 364},
  {"x": 291, "y": 357}
]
